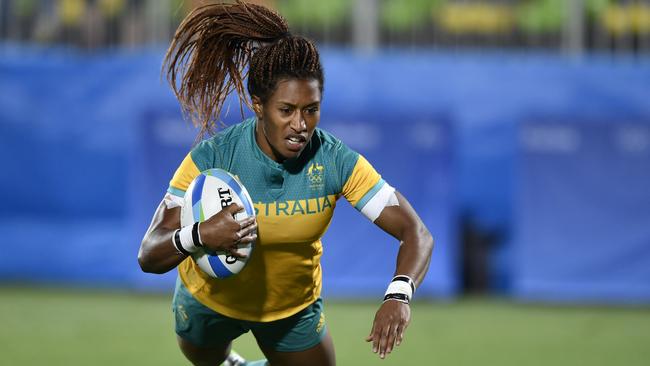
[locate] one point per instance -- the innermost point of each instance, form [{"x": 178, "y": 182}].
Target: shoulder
[
  {"x": 340, "y": 158},
  {"x": 208, "y": 151},
  {"x": 228, "y": 136},
  {"x": 333, "y": 147},
  {"x": 330, "y": 143}
]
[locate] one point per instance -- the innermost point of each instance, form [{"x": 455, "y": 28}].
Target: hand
[
  {"x": 222, "y": 232},
  {"x": 389, "y": 325}
]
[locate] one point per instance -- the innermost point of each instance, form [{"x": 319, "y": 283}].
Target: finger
[
  {"x": 375, "y": 343},
  {"x": 400, "y": 334},
  {"x": 379, "y": 331},
  {"x": 233, "y": 208},
  {"x": 246, "y": 221},
  {"x": 248, "y": 230},
  {"x": 373, "y": 337},
  {"x": 383, "y": 342},
  {"x": 248, "y": 239},
  {"x": 236, "y": 254},
  {"x": 370, "y": 336},
  {"x": 390, "y": 344}
]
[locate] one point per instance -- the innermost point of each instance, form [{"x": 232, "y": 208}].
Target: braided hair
[{"x": 218, "y": 45}]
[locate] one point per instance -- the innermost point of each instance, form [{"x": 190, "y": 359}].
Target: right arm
[
  {"x": 157, "y": 252},
  {"x": 218, "y": 233}
]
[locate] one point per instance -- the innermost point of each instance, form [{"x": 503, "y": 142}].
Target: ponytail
[{"x": 209, "y": 56}]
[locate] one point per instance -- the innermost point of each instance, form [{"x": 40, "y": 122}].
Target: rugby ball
[{"x": 211, "y": 191}]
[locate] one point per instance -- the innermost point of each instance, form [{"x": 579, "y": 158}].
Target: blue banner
[
  {"x": 88, "y": 144},
  {"x": 583, "y": 211}
]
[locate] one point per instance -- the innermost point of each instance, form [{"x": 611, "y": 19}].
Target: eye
[
  {"x": 285, "y": 110},
  {"x": 312, "y": 110}
]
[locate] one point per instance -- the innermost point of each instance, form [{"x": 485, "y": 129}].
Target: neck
[{"x": 264, "y": 144}]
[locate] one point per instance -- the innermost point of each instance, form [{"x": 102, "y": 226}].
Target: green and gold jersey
[{"x": 294, "y": 203}]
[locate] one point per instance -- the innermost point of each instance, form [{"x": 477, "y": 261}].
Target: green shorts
[{"x": 204, "y": 327}]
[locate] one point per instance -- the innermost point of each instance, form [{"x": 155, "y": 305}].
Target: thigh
[
  {"x": 204, "y": 335},
  {"x": 301, "y": 339},
  {"x": 204, "y": 356},
  {"x": 321, "y": 354}
]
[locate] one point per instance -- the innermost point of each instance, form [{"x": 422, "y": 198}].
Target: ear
[{"x": 258, "y": 107}]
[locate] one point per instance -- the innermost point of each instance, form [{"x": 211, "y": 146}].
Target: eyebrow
[{"x": 293, "y": 105}]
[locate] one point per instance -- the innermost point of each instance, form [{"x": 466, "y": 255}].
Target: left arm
[{"x": 413, "y": 258}]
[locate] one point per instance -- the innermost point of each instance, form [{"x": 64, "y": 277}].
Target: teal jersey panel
[{"x": 321, "y": 169}]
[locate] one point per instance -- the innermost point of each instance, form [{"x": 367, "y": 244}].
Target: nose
[{"x": 298, "y": 123}]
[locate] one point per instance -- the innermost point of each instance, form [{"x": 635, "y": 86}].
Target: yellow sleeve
[
  {"x": 362, "y": 184},
  {"x": 184, "y": 175}
]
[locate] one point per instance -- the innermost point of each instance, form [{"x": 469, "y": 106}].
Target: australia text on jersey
[{"x": 295, "y": 207}]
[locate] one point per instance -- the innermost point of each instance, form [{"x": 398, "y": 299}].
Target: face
[{"x": 287, "y": 120}]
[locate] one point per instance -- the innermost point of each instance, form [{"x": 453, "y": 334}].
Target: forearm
[
  {"x": 413, "y": 258},
  {"x": 416, "y": 243},
  {"x": 157, "y": 252},
  {"x": 414, "y": 254}
]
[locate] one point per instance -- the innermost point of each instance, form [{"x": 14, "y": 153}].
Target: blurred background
[{"x": 518, "y": 129}]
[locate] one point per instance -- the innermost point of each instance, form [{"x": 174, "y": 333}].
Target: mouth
[{"x": 296, "y": 142}]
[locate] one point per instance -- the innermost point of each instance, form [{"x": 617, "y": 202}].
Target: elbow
[
  {"x": 146, "y": 264},
  {"x": 149, "y": 267},
  {"x": 426, "y": 239},
  {"x": 419, "y": 237}
]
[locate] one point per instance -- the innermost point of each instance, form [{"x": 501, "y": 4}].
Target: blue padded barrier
[
  {"x": 582, "y": 231},
  {"x": 76, "y": 131}
]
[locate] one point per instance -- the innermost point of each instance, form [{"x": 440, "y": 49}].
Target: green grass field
[{"x": 68, "y": 327}]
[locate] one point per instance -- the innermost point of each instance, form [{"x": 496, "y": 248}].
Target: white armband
[{"x": 385, "y": 197}]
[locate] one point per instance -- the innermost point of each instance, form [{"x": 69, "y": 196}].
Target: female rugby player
[{"x": 294, "y": 173}]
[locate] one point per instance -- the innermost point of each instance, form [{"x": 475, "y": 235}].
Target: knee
[{"x": 204, "y": 356}]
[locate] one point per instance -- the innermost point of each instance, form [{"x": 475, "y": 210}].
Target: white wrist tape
[
  {"x": 399, "y": 287},
  {"x": 187, "y": 241},
  {"x": 198, "y": 233}
]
